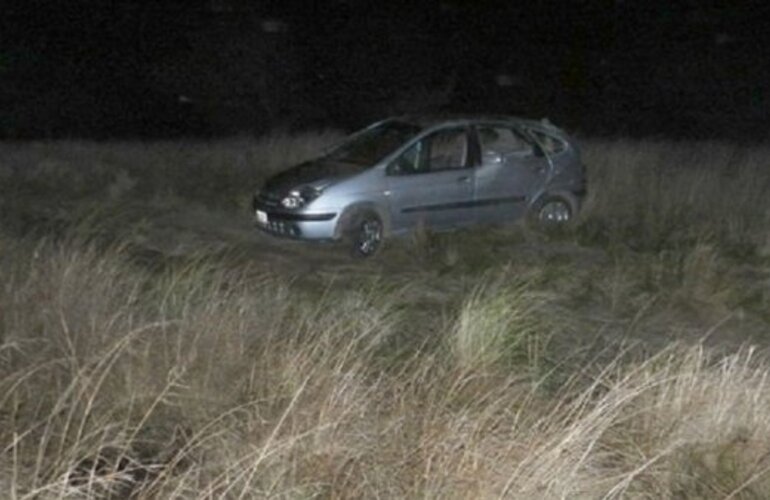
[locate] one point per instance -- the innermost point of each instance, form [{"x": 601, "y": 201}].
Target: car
[{"x": 421, "y": 171}]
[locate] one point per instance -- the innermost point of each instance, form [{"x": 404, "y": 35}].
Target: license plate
[{"x": 261, "y": 217}]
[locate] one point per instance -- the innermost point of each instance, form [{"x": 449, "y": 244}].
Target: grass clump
[{"x": 500, "y": 322}]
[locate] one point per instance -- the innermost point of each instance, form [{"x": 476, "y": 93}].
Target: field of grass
[{"x": 153, "y": 346}]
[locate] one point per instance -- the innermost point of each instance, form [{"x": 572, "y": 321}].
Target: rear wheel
[
  {"x": 365, "y": 235},
  {"x": 553, "y": 211}
]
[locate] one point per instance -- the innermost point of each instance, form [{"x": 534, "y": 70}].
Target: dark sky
[{"x": 99, "y": 68}]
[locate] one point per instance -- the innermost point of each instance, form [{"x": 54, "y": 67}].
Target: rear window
[{"x": 549, "y": 143}]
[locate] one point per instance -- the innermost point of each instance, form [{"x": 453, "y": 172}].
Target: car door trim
[{"x": 464, "y": 204}]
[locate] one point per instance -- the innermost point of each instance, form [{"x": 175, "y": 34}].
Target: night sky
[{"x": 100, "y": 69}]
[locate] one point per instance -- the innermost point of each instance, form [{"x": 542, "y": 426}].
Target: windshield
[{"x": 372, "y": 145}]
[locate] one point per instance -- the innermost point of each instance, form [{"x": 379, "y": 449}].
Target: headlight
[
  {"x": 299, "y": 197},
  {"x": 294, "y": 200}
]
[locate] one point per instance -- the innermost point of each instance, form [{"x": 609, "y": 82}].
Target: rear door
[
  {"x": 432, "y": 182},
  {"x": 513, "y": 169}
]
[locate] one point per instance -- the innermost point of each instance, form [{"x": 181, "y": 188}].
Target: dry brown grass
[
  {"x": 656, "y": 194},
  {"x": 204, "y": 381},
  {"x": 485, "y": 367}
]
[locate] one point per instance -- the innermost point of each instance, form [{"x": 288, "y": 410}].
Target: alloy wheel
[
  {"x": 554, "y": 212},
  {"x": 368, "y": 237}
]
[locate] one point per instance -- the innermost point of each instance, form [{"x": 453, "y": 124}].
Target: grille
[{"x": 283, "y": 228}]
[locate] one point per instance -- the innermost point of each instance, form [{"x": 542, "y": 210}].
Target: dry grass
[
  {"x": 496, "y": 364},
  {"x": 657, "y": 194},
  {"x": 48, "y": 185},
  {"x": 205, "y": 381}
]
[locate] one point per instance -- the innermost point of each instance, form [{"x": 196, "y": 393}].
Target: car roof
[{"x": 426, "y": 121}]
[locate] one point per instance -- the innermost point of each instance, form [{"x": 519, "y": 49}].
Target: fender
[
  {"x": 566, "y": 195},
  {"x": 351, "y": 210}
]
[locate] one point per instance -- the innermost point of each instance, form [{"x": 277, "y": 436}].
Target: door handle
[{"x": 464, "y": 178}]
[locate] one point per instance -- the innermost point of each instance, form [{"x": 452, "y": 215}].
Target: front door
[{"x": 431, "y": 183}]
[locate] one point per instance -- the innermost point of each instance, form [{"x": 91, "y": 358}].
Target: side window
[
  {"x": 447, "y": 149},
  {"x": 444, "y": 150},
  {"x": 549, "y": 143},
  {"x": 503, "y": 141},
  {"x": 410, "y": 162}
]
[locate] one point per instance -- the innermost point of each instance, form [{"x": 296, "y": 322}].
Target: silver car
[{"x": 439, "y": 173}]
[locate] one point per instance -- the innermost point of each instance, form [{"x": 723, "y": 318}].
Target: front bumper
[{"x": 292, "y": 224}]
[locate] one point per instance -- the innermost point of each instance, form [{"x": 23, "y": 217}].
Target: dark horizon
[{"x": 222, "y": 67}]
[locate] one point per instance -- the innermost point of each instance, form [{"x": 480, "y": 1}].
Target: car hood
[{"x": 318, "y": 173}]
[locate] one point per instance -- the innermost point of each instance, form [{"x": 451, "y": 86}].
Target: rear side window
[
  {"x": 504, "y": 141},
  {"x": 549, "y": 143}
]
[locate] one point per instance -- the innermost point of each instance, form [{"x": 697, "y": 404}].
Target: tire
[
  {"x": 365, "y": 235},
  {"x": 553, "y": 212}
]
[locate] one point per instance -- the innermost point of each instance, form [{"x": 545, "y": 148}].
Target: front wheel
[{"x": 365, "y": 235}]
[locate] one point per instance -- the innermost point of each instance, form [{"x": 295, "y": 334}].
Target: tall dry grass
[
  {"x": 50, "y": 185},
  {"x": 658, "y": 194},
  {"x": 205, "y": 377},
  {"x": 205, "y": 381}
]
